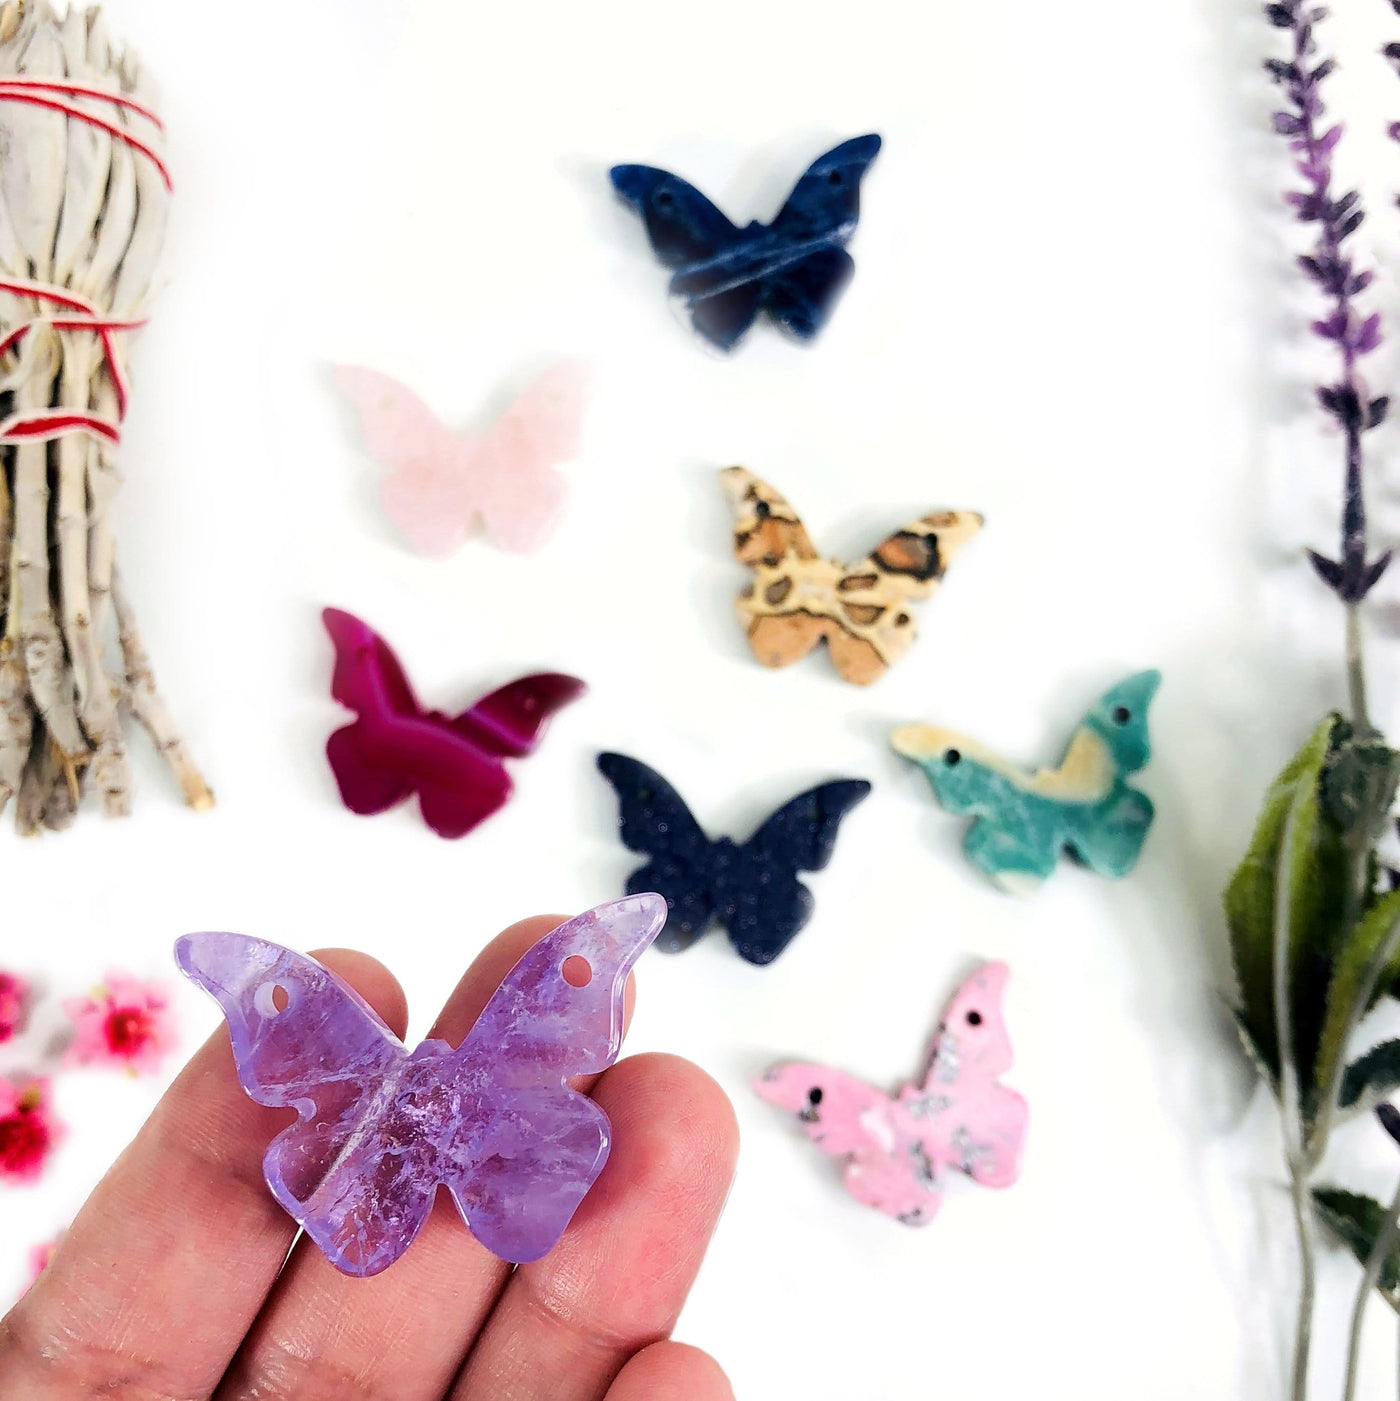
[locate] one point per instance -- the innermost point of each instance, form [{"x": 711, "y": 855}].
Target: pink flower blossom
[
  {"x": 28, "y": 1130},
  {"x": 124, "y": 1022},
  {"x": 14, "y": 1005},
  {"x": 39, "y": 1259}
]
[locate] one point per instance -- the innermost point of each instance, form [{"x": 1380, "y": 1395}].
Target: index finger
[{"x": 165, "y": 1268}]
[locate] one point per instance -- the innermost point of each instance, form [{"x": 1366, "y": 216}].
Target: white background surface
[{"x": 1072, "y": 311}]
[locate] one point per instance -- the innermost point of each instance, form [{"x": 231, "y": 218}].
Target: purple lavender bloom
[{"x": 1351, "y": 576}]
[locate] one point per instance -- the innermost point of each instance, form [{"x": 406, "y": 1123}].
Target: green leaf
[
  {"x": 1358, "y": 783},
  {"x": 1357, "y": 1220},
  {"x": 1317, "y": 866},
  {"x": 1262, "y": 1064},
  {"x": 1372, "y": 1077},
  {"x": 1360, "y": 947}
]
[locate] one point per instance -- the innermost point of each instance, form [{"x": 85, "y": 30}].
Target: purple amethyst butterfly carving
[{"x": 379, "y": 1127}]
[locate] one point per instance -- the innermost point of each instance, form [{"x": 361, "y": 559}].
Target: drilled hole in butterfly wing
[
  {"x": 578, "y": 972},
  {"x": 271, "y": 999}
]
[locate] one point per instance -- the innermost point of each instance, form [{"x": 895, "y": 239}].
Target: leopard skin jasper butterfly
[{"x": 798, "y": 597}]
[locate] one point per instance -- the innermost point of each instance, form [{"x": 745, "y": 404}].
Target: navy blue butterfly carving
[
  {"x": 794, "y": 268},
  {"x": 750, "y": 887}
]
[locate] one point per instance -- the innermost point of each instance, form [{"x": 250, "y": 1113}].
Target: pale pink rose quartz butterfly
[
  {"x": 442, "y": 486},
  {"x": 898, "y": 1148}
]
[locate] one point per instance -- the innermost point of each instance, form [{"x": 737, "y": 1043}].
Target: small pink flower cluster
[
  {"x": 28, "y": 1130},
  {"x": 122, "y": 1023},
  {"x": 14, "y": 1005},
  {"x": 39, "y": 1259}
]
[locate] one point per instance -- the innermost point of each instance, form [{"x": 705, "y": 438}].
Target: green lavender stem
[
  {"x": 1294, "y": 1142},
  {"x": 1356, "y": 671},
  {"x": 1386, "y": 1242}
]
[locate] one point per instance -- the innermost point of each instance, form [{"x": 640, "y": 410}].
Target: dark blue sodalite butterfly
[
  {"x": 794, "y": 268},
  {"x": 750, "y": 887}
]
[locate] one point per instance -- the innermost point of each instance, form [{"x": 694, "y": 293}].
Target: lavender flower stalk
[
  {"x": 1328, "y": 847},
  {"x": 1351, "y": 575}
]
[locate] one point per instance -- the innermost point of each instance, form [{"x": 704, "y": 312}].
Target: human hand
[{"x": 175, "y": 1281}]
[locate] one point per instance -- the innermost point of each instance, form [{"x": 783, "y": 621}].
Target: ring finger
[{"x": 567, "y": 1324}]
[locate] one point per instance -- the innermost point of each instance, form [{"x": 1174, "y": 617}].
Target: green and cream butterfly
[{"x": 1024, "y": 821}]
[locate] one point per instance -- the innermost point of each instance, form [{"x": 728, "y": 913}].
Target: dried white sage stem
[{"x": 84, "y": 195}]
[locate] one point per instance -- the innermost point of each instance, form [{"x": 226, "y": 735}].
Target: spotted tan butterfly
[{"x": 798, "y": 597}]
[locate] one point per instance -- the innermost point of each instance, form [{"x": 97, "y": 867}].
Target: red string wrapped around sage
[{"x": 84, "y": 195}]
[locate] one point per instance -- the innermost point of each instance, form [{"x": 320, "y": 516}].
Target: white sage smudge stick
[{"x": 84, "y": 195}]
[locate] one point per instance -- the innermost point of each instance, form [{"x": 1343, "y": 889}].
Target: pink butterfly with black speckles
[{"x": 898, "y": 1147}]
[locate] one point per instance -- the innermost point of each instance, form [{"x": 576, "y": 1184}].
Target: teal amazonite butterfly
[{"x": 1025, "y": 821}]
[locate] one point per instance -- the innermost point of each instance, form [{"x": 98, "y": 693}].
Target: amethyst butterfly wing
[{"x": 379, "y": 1127}]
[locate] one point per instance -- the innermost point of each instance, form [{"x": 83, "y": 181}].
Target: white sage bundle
[{"x": 84, "y": 194}]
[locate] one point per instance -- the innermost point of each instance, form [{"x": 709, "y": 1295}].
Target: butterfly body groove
[
  {"x": 898, "y": 1149},
  {"x": 795, "y": 268},
  {"x": 441, "y": 486},
  {"x": 751, "y": 887},
  {"x": 1024, "y": 821},
  {"x": 379, "y": 1127},
  {"x": 395, "y": 748},
  {"x": 798, "y": 598}
]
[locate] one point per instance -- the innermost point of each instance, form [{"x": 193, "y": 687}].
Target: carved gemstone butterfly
[
  {"x": 898, "y": 1148},
  {"x": 750, "y": 887},
  {"x": 379, "y": 1127},
  {"x": 797, "y": 597},
  {"x": 795, "y": 268},
  {"x": 395, "y": 748},
  {"x": 1025, "y": 820},
  {"x": 441, "y": 484}
]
